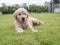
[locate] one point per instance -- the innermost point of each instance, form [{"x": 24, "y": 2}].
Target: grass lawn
[{"x": 49, "y": 34}]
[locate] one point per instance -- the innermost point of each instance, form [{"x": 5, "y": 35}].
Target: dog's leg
[
  {"x": 31, "y": 27},
  {"x": 33, "y": 30},
  {"x": 19, "y": 30},
  {"x": 36, "y": 21}
]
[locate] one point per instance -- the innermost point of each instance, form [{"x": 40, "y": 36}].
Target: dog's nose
[{"x": 23, "y": 18}]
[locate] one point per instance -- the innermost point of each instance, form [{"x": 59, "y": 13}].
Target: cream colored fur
[{"x": 28, "y": 22}]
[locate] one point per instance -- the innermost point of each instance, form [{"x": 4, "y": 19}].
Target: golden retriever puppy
[{"x": 22, "y": 20}]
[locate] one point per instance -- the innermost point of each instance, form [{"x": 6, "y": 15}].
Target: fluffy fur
[{"x": 22, "y": 20}]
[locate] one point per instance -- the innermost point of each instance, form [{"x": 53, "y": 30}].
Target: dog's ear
[
  {"x": 15, "y": 15},
  {"x": 27, "y": 15}
]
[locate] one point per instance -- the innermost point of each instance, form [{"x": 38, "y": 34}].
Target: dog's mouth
[{"x": 23, "y": 21}]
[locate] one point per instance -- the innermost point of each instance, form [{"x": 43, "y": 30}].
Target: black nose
[{"x": 23, "y": 18}]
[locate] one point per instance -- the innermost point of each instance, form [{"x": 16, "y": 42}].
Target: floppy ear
[
  {"x": 27, "y": 15},
  {"x": 15, "y": 15}
]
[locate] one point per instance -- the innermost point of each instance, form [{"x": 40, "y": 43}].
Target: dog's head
[{"x": 21, "y": 14}]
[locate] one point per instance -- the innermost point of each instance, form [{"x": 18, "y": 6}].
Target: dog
[{"x": 22, "y": 20}]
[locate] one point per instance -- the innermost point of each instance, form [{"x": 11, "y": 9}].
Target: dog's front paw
[
  {"x": 20, "y": 31},
  {"x": 34, "y": 30}
]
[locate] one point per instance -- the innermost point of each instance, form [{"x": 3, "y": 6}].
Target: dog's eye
[{"x": 19, "y": 14}]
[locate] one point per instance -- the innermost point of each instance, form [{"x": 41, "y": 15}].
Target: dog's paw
[
  {"x": 42, "y": 23},
  {"x": 20, "y": 31},
  {"x": 34, "y": 30}
]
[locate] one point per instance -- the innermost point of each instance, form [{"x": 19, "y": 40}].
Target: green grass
[{"x": 49, "y": 34}]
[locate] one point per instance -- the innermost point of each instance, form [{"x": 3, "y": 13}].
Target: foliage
[
  {"x": 32, "y": 8},
  {"x": 37, "y": 8},
  {"x": 9, "y": 9},
  {"x": 56, "y": 1}
]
